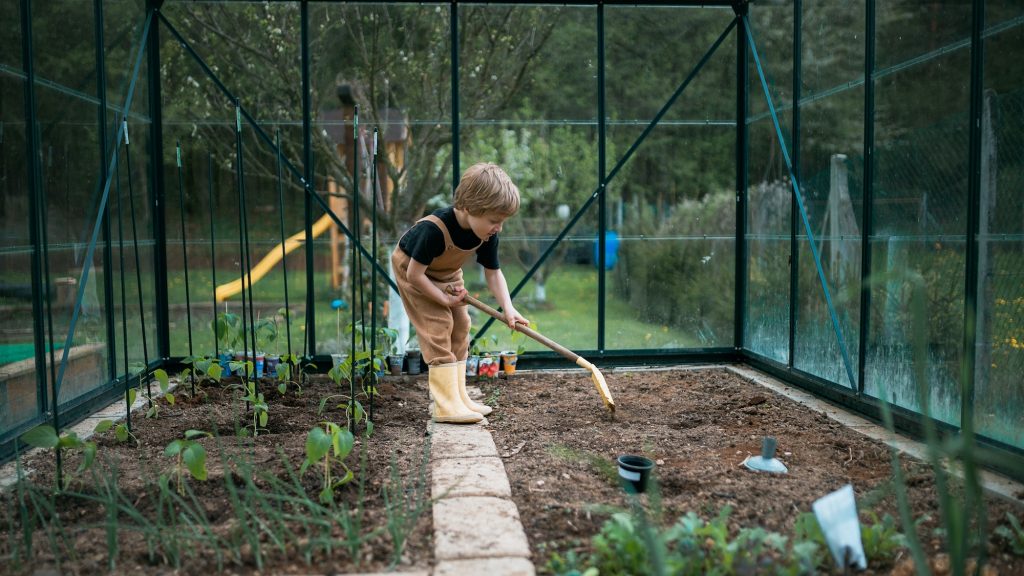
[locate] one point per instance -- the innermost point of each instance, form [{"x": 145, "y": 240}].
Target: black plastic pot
[
  {"x": 634, "y": 471},
  {"x": 412, "y": 359}
]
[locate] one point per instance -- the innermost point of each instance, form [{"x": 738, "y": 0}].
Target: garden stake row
[{"x": 595, "y": 374}]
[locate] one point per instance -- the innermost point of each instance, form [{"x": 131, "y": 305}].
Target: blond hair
[{"x": 486, "y": 188}]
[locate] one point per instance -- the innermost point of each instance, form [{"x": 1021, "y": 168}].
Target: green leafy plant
[
  {"x": 260, "y": 409},
  {"x": 341, "y": 375},
  {"x": 327, "y": 446},
  {"x": 477, "y": 348},
  {"x": 189, "y": 455},
  {"x": 1013, "y": 534},
  {"x": 387, "y": 337},
  {"x": 284, "y": 378},
  {"x": 44, "y": 436},
  {"x": 205, "y": 368},
  {"x": 165, "y": 387},
  {"x": 121, "y": 431},
  {"x": 227, "y": 327},
  {"x": 265, "y": 333}
]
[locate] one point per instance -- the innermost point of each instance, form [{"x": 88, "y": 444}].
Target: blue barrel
[{"x": 611, "y": 246}]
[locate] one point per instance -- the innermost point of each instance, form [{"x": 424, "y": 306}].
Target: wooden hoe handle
[{"x": 569, "y": 354}]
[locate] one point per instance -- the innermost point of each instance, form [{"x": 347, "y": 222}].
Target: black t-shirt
[{"x": 425, "y": 241}]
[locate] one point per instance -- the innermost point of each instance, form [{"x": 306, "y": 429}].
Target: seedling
[
  {"x": 165, "y": 386},
  {"x": 189, "y": 455},
  {"x": 44, "y": 436},
  {"x": 121, "y": 431},
  {"x": 328, "y": 446},
  {"x": 260, "y": 410},
  {"x": 1013, "y": 534},
  {"x": 284, "y": 378}
]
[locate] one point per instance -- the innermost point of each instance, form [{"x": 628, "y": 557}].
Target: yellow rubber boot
[
  {"x": 444, "y": 387},
  {"x": 474, "y": 406}
]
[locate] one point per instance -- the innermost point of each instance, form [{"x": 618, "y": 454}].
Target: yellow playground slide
[{"x": 229, "y": 289}]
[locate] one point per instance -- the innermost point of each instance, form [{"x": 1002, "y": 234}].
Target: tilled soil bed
[
  {"x": 272, "y": 526},
  {"x": 559, "y": 446}
]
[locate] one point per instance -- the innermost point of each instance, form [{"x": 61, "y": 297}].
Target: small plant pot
[
  {"x": 338, "y": 359},
  {"x": 413, "y": 359},
  {"x": 634, "y": 471},
  {"x": 270, "y": 364},
  {"x": 472, "y": 364},
  {"x": 488, "y": 367},
  {"x": 508, "y": 362},
  {"x": 395, "y": 363},
  {"x": 224, "y": 359},
  {"x": 257, "y": 365}
]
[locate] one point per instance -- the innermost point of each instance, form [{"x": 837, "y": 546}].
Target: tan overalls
[{"x": 443, "y": 332}]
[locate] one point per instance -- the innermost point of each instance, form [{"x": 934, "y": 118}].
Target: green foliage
[
  {"x": 404, "y": 505},
  {"x": 882, "y": 538},
  {"x": 693, "y": 270},
  {"x": 189, "y": 455},
  {"x": 44, "y": 436},
  {"x": 121, "y": 431},
  {"x": 260, "y": 408},
  {"x": 227, "y": 326},
  {"x": 387, "y": 338},
  {"x": 165, "y": 387},
  {"x": 1013, "y": 534},
  {"x": 328, "y": 446},
  {"x": 486, "y": 343}
]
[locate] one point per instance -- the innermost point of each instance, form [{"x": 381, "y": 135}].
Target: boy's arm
[
  {"x": 416, "y": 274},
  {"x": 499, "y": 287}
]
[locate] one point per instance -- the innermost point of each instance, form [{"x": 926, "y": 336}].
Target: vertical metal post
[
  {"x": 310, "y": 188},
  {"x": 794, "y": 215},
  {"x": 213, "y": 250},
  {"x": 602, "y": 207},
  {"x": 742, "y": 135},
  {"x": 284, "y": 253},
  {"x": 971, "y": 246},
  {"x": 35, "y": 196},
  {"x": 184, "y": 259},
  {"x": 373, "y": 273},
  {"x": 247, "y": 353},
  {"x": 157, "y": 190},
  {"x": 867, "y": 210},
  {"x": 453, "y": 33},
  {"x": 101, "y": 121}
]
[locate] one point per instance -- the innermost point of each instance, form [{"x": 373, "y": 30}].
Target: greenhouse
[{"x": 765, "y": 260}]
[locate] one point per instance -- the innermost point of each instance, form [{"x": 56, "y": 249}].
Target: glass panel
[
  {"x": 549, "y": 150},
  {"x": 832, "y": 160},
  {"x": 18, "y": 390},
  {"x": 998, "y": 394},
  {"x": 123, "y": 24},
  {"x": 673, "y": 204},
  {"x": 10, "y": 28},
  {"x": 401, "y": 82},
  {"x": 70, "y": 156},
  {"x": 770, "y": 195},
  {"x": 920, "y": 194},
  {"x": 64, "y": 46}
]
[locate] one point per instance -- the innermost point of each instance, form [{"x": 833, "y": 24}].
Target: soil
[
  {"x": 558, "y": 444},
  {"x": 400, "y": 415}
]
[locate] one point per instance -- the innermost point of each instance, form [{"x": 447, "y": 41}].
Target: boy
[{"x": 428, "y": 270}]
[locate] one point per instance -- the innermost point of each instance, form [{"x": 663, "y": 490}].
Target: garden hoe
[{"x": 595, "y": 374}]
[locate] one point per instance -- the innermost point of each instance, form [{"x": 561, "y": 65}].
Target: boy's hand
[
  {"x": 455, "y": 296},
  {"x": 513, "y": 317}
]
